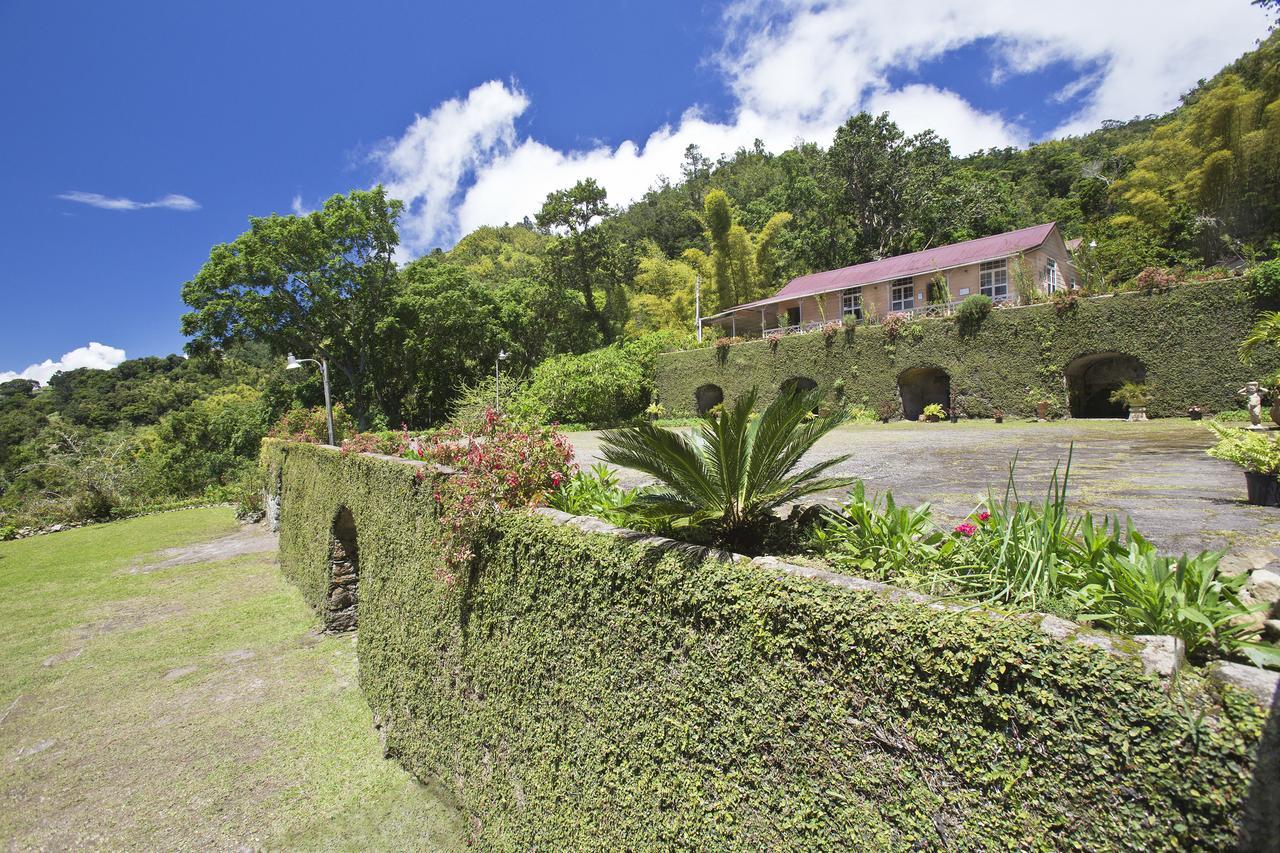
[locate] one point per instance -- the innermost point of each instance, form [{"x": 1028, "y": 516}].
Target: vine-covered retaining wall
[
  {"x": 583, "y": 688},
  {"x": 1186, "y": 338}
]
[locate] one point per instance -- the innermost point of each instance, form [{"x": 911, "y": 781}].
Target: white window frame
[
  {"x": 1051, "y": 280},
  {"x": 993, "y": 279},
  {"x": 902, "y": 294},
  {"x": 851, "y": 303}
]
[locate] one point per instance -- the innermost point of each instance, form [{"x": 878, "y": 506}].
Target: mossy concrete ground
[
  {"x": 1156, "y": 472},
  {"x": 164, "y": 687}
]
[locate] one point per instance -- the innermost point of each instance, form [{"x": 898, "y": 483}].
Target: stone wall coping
[{"x": 1159, "y": 655}]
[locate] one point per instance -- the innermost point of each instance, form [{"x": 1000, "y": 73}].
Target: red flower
[
  {"x": 556, "y": 477},
  {"x": 984, "y": 515},
  {"x": 968, "y": 528}
]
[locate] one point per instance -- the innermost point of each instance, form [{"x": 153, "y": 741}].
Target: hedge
[
  {"x": 1187, "y": 338},
  {"x": 581, "y": 690}
]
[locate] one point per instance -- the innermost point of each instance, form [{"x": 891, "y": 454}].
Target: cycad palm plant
[{"x": 727, "y": 476}]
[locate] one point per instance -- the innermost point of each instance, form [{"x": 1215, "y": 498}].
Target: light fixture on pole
[
  {"x": 292, "y": 363},
  {"x": 697, "y": 304},
  {"x": 497, "y": 362}
]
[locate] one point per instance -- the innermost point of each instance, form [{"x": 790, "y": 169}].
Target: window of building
[
  {"x": 1051, "y": 276},
  {"x": 993, "y": 279},
  {"x": 851, "y": 303},
  {"x": 902, "y": 295}
]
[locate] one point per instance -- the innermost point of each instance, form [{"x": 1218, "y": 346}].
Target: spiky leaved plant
[{"x": 727, "y": 476}]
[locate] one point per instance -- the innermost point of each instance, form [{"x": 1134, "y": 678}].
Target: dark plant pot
[
  {"x": 1264, "y": 489},
  {"x": 955, "y": 418},
  {"x": 999, "y": 419},
  {"x": 1195, "y": 415}
]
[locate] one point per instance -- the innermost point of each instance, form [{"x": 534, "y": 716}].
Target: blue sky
[{"x": 472, "y": 112}]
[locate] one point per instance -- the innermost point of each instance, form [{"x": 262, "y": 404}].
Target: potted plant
[
  {"x": 1042, "y": 410},
  {"x": 1258, "y": 454},
  {"x": 886, "y": 410},
  {"x": 933, "y": 413},
  {"x": 1134, "y": 395},
  {"x": 1195, "y": 412},
  {"x": 998, "y": 414}
]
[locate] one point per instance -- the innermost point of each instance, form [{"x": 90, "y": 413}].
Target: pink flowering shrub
[
  {"x": 831, "y": 329},
  {"x": 500, "y": 467},
  {"x": 967, "y": 528}
]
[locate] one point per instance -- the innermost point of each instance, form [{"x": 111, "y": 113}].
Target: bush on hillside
[
  {"x": 971, "y": 312},
  {"x": 1264, "y": 281}
]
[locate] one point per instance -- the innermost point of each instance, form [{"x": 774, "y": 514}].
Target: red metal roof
[{"x": 900, "y": 266}]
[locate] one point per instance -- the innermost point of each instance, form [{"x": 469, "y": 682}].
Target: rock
[
  {"x": 1162, "y": 655},
  {"x": 1057, "y": 627},
  {"x": 1246, "y": 560},
  {"x": 1262, "y": 683},
  {"x": 1272, "y": 628},
  {"x": 1264, "y": 586}
]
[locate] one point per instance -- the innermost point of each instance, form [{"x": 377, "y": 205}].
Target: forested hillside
[{"x": 580, "y": 296}]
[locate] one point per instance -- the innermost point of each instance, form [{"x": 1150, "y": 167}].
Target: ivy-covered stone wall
[
  {"x": 1185, "y": 339},
  {"x": 581, "y": 688}
]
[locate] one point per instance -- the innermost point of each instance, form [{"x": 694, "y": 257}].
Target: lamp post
[
  {"x": 497, "y": 363},
  {"x": 295, "y": 363}
]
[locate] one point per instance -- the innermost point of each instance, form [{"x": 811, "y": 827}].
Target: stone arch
[
  {"x": 708, "y": 397},
  {"x": 344, "y": 574},
  {"x": 1091, "y": 379},
  {"x": 796, "y": 385},
  {"x": 923, "y": 386}
]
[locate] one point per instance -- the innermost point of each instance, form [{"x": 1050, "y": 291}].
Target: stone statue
[{"x": 1253, "y": 392}]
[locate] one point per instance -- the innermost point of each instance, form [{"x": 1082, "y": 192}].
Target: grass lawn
[{"x": 185, "y": 700}]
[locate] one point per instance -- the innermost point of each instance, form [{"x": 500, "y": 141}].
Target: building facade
[{"x": 1009, "y": 268}]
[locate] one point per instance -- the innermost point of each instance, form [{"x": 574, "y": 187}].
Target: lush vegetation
[
  {"x": 583, "y": 295},
  {"x": 758, "y": 709}
]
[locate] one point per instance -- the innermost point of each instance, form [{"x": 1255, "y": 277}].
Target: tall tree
[
  {"x": 585, "y": 256},
  {"x": 315, "y": 285},
  {"x": 741, "y": 266}
]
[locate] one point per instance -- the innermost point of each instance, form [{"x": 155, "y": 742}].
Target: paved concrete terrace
[{"x": 1155, "y": 472}]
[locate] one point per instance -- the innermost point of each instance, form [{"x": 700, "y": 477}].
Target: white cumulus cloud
[
  {"x": 96, "y": 356},
  {"x": 173, "y": 201},
  {"x": 796, "y": 69}
]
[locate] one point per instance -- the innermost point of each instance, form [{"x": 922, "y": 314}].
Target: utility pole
[{"x": 697, "y": 304}]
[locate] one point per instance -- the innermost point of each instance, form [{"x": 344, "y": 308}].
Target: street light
[
  {"x": 295, "y": 363},
  {"x": 502, "y": 356}
]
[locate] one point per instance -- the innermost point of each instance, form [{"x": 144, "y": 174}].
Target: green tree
[
  {"x": 585, "y": 256},
  {"x": 316, "y": 285},
  {"x": 741, "y": 266}
]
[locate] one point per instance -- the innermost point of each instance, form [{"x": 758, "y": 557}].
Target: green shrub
[
  {"x": 596, "y": 493},
  {"x": 1132, "y": 394},
  {"x": 604, "y": 386},
  {"x": 1264, "y": 281},
  {"x": 312, "y": 425},
  {"x": 971, "y": 312},
  {"x": 934, "y": 412}
]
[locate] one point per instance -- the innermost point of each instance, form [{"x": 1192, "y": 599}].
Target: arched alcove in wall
[
  {"x": 1091, "y": 379},
  {"x": 923, "y": 386},
  {"x": 344, "y": 574},
  {"x": 707, "y": 397}
]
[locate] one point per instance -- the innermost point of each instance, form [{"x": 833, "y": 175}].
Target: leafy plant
[
  {"x": 1139, "y": 591},
  {"x": 934, "y": 412},
  {"x": 725, "y": 478},
  {"x": 1264, "y": 280},
  {"x": 595, "y": 492},
  {"x": 1253, "y": 451},
  {"x": 877, "y": 538},
  {"x": 886, "y": 409},
  {"x": 1132, "y": 394}
]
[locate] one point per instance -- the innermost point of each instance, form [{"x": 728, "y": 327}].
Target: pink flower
[
  {"x": 556, "y": 477},
  {"x": 984, "y": 515},
  {"x": 968, "y": 528}
]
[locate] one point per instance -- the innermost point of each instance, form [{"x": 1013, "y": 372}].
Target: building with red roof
[{"x": 1008, "y": 267}]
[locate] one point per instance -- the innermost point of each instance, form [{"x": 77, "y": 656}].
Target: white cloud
[
  {"x": 173, "y": 201},
  {"x": 298, "y": 208},
  {"x": 95, "y": 356},
  {"x": 796, "y": 69}
]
